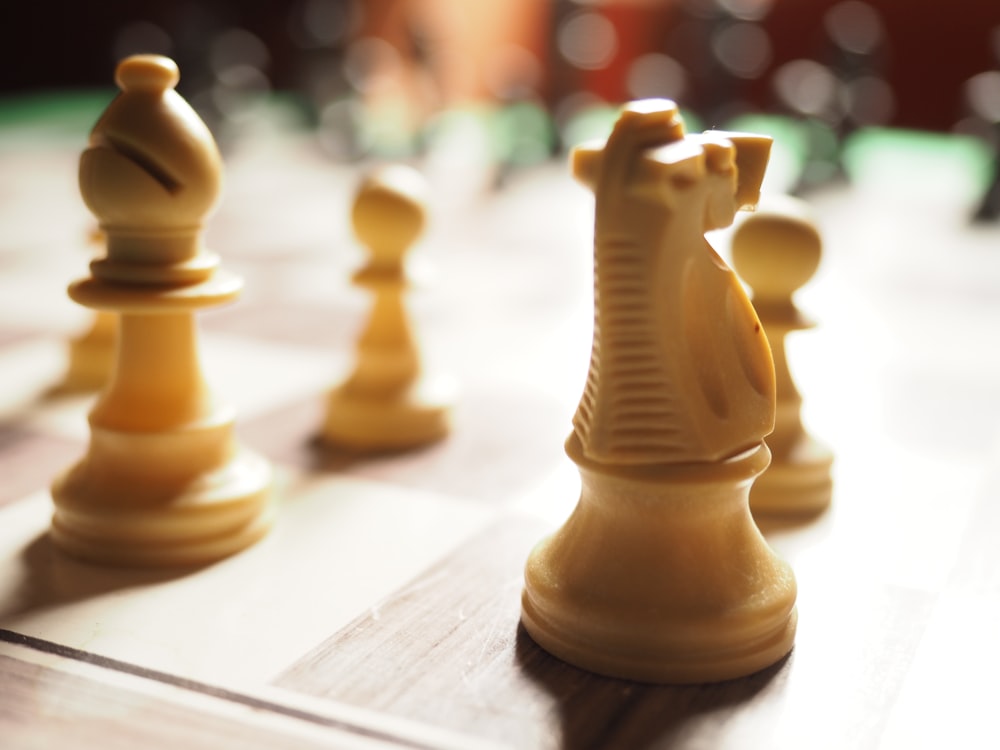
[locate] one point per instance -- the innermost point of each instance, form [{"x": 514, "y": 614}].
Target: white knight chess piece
[{"x": 660, "y": 574}]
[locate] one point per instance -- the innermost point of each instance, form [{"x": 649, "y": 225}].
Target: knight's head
[
  {"x": 649, "y": 156},
  {"x": 734, "y": 165},
  {"x": 642, "y": 126}
]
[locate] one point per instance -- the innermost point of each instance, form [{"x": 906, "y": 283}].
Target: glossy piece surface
[
  {"x": 389, "y": 401},
  {"x": 777, "y": 250},
  {"x": 660, "y": 573},
  {"x": 164, "y": 481}
]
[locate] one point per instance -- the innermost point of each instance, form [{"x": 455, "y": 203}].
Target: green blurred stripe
[{"x": 70, "y": 112}]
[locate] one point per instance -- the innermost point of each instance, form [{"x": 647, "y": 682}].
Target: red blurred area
[{"x": 933, "y": 47}]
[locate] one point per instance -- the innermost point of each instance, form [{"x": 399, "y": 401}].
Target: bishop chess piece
[
  {"x": 164, "y": 481},
  {"x": 776, "y": 250},
  {"x": 389, "y": 402},
  {"x": 660, "y": 573}
]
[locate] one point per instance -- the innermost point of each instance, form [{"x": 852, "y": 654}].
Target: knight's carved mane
[{"x": 653, "y": 186}]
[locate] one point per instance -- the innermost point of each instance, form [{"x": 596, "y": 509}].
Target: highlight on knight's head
[
  {"x": 649, "y": 153},
  {"x": 752, "y": 153},
  {"x": 660, "y": 118}
]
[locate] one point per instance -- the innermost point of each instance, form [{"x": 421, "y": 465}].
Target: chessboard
[{"x": 383, "y": 608}]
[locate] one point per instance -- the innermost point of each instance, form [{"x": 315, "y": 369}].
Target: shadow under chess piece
[
  {"x": 776, "y": 251},
  {"x": 388, "y": 402},
  {"x": 164, "y": 481},
  {"x": 660, "y": 573}
]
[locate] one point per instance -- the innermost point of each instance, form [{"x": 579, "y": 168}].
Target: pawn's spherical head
[
  {"x": 153, "y": 73},
  {"x": 777, "y": 249},
  {"x": 389, "y": 211}
]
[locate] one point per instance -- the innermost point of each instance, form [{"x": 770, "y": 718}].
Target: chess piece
[
  {"x": 388, "y": 402},
  {"x": 164, "y": 481},
  {"x": 92, "y": 354},
  {"x": 660, "y": 573},
  {"x": 989, "y": 205},
  {"x": 776, "y": 250}
]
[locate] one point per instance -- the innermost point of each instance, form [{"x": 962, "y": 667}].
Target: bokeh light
[
  {"x": 747, "y": 10},
  {"x": 587, "y": 40},
  {"x": 854, "y": 26},
  {"x": 141, "y": 37},
  {"x": 806, "y": 87},
  {"x": 237, "y": 48},
  {"x": 869, "y": 100},
  {"x": 743, "y": 49},
  {"x": 656, "y": 75},
  {"x": 982, "y": 92},
  {"x": 371, "y": 64},
  {"x": 323, "y": 23}
]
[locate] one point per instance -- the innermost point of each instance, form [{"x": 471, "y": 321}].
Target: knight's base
[
  {"x": 660, "y": 575},
  {"x": 220, "y": 514},
  {"x": 417, "y": 417},
  {"x": 796, "y": 483}
]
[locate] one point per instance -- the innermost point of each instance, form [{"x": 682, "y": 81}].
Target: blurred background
[{"x": 521, "y": 80}]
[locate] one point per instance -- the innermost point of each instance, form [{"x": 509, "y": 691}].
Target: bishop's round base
[
  {"x": 417, "y": 417},
  {"x": 797, "y": 483},
  {"x": 660, "y": 575},
  {"x": 219, "y": 515}
]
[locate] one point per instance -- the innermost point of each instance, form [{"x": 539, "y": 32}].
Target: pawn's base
[
  {"x": 798, "y": 481},
  {"x": 370, "y": 422},
  {"x": 660, "y": 575},
  {"x": 220, "y": 514}
]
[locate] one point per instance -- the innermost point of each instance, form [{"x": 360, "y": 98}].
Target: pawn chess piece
[
  {"x": 92, "y": 354},
  {"x": 388, "y": 402},
  {"x": 164, "y": 481},
  {"x": 660, "y": 573},
  {"x": 777, "y": 250}
]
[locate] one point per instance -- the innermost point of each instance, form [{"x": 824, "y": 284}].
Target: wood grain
[
  {"x": 448, "y": 650},
  {"x": 48, "y": 707},
  {"x": 498, "y": 457}
]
